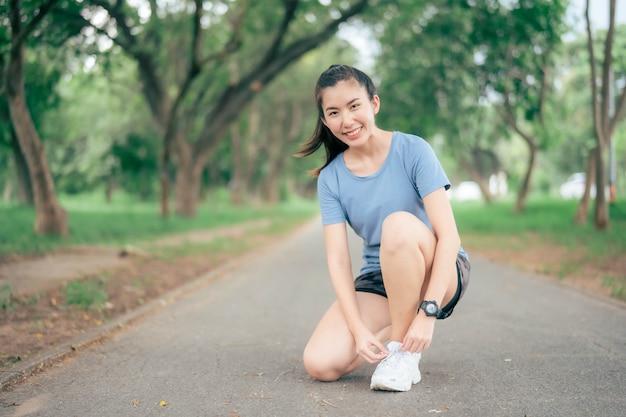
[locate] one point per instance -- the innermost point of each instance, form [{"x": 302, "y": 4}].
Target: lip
[{"x": 354, "y": 132}]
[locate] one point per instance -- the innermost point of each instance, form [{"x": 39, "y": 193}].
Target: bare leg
[
  {"x": 331, "y": 350},
  {"x": 407, "y": 251}
]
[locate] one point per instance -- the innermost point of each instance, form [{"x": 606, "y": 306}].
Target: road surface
[{"x": 517, "y": 345}]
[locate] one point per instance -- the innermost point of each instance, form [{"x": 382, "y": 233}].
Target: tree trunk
[
  {"x": 582, "y": 212},
  {"x": 24, "y": 186},
  {"x": 51, "y": 218},
  {"x": 187, "y": 190},
  {"x": 164, "y": 185},
  {"x": 522, "y": 194},
  {"x": 188, "y": 181},
  {"x": 108, "y": 192},
  {"x": 236, "y": 180},
  {"x": 601, "y": 217},
  {"x": 7, "y": 191}
]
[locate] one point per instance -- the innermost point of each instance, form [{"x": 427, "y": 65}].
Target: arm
[
  {"x": 443, "y": 223},
  {"x": 442, "y": 280},
  {"x": 340, "y": 269}
]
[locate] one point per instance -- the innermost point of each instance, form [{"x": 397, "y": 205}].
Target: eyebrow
[{"x": 349, "y": 103}]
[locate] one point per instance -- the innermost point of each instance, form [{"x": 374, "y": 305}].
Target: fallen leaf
[
  {"x": 39, "y": 335},
  {"x": 329, "y": 403},
  {"x": 441, "y": 410},
  {"x": 163, "y": 403}
]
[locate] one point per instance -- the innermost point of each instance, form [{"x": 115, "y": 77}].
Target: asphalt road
[{"x": 517, "y": 345}]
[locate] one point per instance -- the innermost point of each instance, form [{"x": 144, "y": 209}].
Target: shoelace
[{"x": 392, "y": 359}]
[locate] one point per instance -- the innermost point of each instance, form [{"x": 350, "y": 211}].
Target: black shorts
[{"x": 373, "y": 282}]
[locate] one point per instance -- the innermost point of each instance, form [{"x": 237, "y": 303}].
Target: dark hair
[{"x": 321, "y": 134}]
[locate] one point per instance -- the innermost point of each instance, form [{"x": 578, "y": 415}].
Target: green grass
[
  {"x": 547, "y": 218},
  {"x": 549, "y": 222},
  {"x": 93, "y": 221},
  {"x": 6, "y": 298},
  {"x": 88, "y": 294}
]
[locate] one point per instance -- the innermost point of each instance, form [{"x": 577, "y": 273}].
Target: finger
[
  {"x": 408, "y": 345},
  {"x": 380, "y": 348},
  {"x": 377, "y": 357},
  {"x": 372, "y": 357}
]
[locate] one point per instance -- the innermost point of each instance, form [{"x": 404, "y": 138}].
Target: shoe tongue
[{"x": 393, "y": 346}]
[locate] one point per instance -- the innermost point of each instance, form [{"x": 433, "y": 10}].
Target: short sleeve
[
  {"x": 328, "y": 195},
  {"x": 427, "y": 171}
]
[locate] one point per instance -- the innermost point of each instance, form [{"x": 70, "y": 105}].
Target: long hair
[{"x": 321, "y": 134}]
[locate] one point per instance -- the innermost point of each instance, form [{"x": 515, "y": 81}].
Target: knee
[
  {"x": 318, "y": 368},
  {"x": 401, "y": 230}
]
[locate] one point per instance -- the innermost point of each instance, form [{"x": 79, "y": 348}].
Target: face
[{"x": 349, "y": 112}]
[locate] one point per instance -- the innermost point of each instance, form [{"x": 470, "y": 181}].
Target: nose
[{"x": 347, "y": 119}]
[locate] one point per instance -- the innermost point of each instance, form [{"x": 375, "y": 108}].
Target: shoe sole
[
  {"x": 385, "y": 386},
  {"x": 379, "y": 386}
]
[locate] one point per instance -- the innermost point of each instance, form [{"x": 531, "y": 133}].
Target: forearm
[
  {"x": 443, "y": 268},
  {"x": 343, "y": 285}
]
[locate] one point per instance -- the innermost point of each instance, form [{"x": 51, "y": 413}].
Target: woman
[{"x": 391, "y": 189}]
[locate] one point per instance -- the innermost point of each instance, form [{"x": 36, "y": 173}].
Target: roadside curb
[{"x": 48, "y": 358}]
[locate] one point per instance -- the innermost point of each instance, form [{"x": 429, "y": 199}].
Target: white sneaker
[
  {"x": 398, "y": 371},
  {"x": 416, "y": 375}
]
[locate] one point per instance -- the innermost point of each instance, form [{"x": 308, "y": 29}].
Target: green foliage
[
  {"x": 96, "y": 126},
  {"x": 6, "y": 298},
  {"x": 88, "y": 294},
  {"x": 137, "y": 157},
  {"x": 617, "y": 286},
  {"x": 126, "y": 220},
  {"x": 450, "y": 65}
]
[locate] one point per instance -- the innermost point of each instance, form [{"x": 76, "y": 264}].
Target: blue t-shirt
[{"x": 410, "y": 172}]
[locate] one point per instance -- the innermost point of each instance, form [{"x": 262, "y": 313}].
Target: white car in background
[
  {"x": 467, "y": 191},
  {"x": 574, "y": 187}
]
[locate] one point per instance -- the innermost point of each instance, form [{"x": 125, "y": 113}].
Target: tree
[
  {"x": 196, "y": 97},
  {"x": 278, "y": 119},
  {"x": 603, "y": 121},
  {"x": 445, "y": 60},
  {"x": 518, "y": 44},
  {"x": 51, "y": 218}
]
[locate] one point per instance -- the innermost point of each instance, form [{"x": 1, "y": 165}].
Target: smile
[{"x": 353, "y": 132}]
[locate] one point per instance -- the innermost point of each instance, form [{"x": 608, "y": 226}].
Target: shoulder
[
  {"x": 331, "y": 170},
  {"x": 407, "y": 140},
  {"x": 412, "y": 148},
  {"x": 329, "y": 175}
]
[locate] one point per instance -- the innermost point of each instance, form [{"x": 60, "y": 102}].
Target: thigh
[{"x": 332, "y": 341}]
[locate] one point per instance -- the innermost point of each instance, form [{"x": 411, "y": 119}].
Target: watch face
[{"x": 431, "y": 308}]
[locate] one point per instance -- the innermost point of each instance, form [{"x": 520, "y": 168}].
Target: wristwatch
[{"x": 430, "y": 308}]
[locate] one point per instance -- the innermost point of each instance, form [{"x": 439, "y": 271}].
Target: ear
[{"x": 376, "y": 104}]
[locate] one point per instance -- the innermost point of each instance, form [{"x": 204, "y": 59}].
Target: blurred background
[{"x": 183, "y": 105}]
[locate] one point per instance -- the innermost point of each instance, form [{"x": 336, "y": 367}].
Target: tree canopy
[{"x": 171, "y": 99}]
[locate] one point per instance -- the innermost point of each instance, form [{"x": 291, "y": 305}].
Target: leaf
[{"x": 163, "y": 403}]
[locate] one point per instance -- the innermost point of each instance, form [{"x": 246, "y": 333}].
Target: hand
[
  {"x": 368, "y": 346},
  {"x": 420, "y": 334}
]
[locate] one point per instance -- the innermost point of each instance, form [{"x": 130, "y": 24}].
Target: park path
[
  {"x": 517, "y": 345},
  {"x": 28, "y": 276}
]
